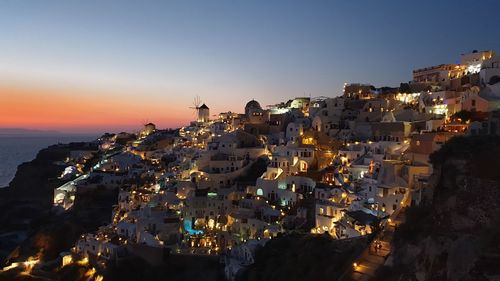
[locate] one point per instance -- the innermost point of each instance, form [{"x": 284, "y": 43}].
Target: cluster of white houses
[{"x": 336, "y": 165}]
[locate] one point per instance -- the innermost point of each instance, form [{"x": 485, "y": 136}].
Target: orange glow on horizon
[{"x": 79, "y": 110}]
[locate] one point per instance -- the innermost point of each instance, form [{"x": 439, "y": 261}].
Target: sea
[{"x": 17, "y": 149}]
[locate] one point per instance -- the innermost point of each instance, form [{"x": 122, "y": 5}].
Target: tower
[{"x": 203, "y": 113}]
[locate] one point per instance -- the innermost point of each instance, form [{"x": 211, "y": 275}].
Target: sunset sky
[{"x": 94, "y": 66}]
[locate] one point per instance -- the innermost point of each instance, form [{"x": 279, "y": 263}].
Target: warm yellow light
[
  {"x": 211, "y": 223},
  {"x": 90, "y": 273},
  {"x": 67, "y": 260},
  {"x": 84, "y": 261}
]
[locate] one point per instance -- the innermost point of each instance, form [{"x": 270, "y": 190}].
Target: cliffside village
[{"x": 226, "y": 184}]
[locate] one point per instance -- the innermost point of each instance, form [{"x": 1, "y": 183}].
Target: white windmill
[{"x": 202, "y": 112}]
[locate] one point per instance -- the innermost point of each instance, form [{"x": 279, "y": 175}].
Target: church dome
[{"x": 253, "y": 104}]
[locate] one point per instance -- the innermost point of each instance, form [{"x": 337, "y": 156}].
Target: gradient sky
[{"x": 86, "y": 66}]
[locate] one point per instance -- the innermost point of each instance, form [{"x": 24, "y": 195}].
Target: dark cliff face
[
  {"x": 457, "y": 237},
  {"x": 25, "y": 208},
  {"x": 303, "y": 257},
  {"x": 32, "y": 179},
  {"x": 28, "y": 198}
]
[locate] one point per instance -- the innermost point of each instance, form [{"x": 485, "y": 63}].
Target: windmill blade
[
  {"x": 196, "y": 106},
  {"x": 195, "y": 110},
  {"x": 197, "y": 102}
]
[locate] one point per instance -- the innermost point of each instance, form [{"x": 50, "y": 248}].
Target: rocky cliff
[
  {"x": 303, "y": 257},
  {"x": 25, "y": 209},
  {"x": 457, "y": 237},
  {"x": 28, "y": 198}
]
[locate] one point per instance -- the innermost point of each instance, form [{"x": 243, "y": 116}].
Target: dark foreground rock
[
  {"x": 28, "y": 225},
  {"x": 301, "y": 257},
  {"x": 175, "y": 268},
  {"x": 457, "y": 236},
  {"x": 27, "y": 201}
]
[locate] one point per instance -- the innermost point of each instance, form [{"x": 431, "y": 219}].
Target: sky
[{"x": 95, "y": 66}]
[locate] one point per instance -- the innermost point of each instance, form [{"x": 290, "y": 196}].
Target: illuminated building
[
  {"x": 433, "y": 74},
  {"x": 359, "y": 91},
  {"x": 473, "y": 61},
  {"x": 203, "y": 113}
]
